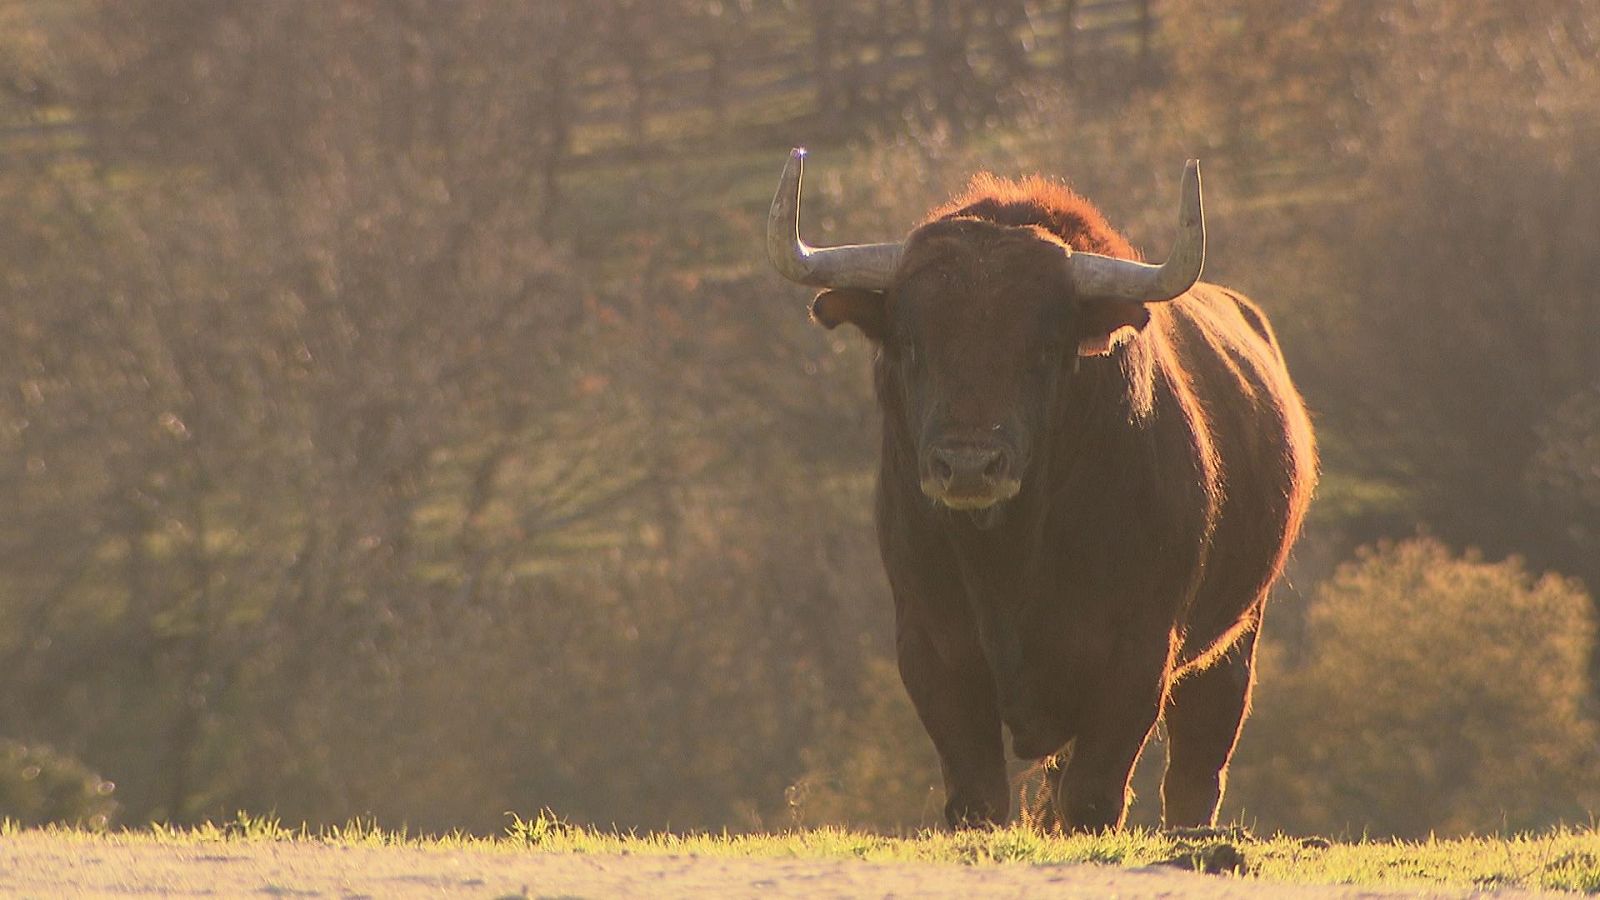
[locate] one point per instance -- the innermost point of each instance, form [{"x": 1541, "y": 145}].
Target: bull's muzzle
[{"x": 969, "y": 475}]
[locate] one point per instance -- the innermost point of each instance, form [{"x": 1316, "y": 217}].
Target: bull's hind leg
[{"x": 1204, "y": 714}]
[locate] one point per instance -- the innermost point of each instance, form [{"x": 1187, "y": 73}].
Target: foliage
[
  {"x": 1431, "y": 694},
  {"x": 40, "y": 786},
  {"x": 317, "y": 439},
  {"x": 876, "y": 768},
  {"x": 1564, "y": 476},
  {"x": 1429, "y": 245}
]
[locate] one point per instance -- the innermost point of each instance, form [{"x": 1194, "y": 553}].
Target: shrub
[
  {"x": 39, "y": 786},
  {"x": 874, "y": 767},
  {"x": 1432, "y": 693}
]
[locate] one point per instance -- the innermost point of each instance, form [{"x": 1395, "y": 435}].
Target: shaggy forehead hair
[{"x": 1040, "y": 202}]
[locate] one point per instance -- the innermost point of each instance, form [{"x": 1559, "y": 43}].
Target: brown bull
[{"x": 1092, "y": 470}]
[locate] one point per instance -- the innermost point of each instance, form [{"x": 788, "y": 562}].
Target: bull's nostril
[
  {"x": 967, "y": 470},
  {"x": 994, "y": 469}
]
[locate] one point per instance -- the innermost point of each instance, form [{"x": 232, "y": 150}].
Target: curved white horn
[
  {"x": 1104, "y": 277},
  {"x": 868, "y": 266}
]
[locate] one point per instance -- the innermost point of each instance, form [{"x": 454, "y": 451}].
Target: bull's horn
[
  {"x": 868, "y": 266},
  {"x": 1107, "y": 278}
]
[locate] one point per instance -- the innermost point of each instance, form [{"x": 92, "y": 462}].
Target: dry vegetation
[
  {"x": 543, "y": 857},
  {"x": 397, "y": 418}
]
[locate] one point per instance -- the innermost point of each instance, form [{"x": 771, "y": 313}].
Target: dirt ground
[{"x": 44, "y": 866}]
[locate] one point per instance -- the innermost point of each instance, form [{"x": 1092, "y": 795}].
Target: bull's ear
[
  {"x": 861, "y": 308},
  {"x": 1099, "y": 322}
]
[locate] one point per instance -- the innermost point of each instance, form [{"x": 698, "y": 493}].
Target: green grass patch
[{"x": 1561, "y": 859}]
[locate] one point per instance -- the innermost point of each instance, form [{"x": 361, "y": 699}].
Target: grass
[{"x": 1561, "y": 859}]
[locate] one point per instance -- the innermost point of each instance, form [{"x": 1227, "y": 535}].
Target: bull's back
[{"x": 1265, "y": 452}]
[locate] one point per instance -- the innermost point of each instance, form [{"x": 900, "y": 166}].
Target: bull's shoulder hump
[{"x": 1228, "y": 313}]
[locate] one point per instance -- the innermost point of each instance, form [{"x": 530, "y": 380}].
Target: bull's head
[{"x": 980, "y": 324}]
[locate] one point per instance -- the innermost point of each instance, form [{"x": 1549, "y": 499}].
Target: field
[{"x": 543, "y": 858}]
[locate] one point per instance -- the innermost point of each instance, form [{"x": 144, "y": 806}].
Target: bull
[{"x": 1092, "y": 469}]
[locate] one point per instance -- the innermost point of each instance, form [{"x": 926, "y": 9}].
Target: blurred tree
[
  {"x": 1427, "y": 159},
  {"x": 41, "y": 787},
  {"x": 1010, "y": 38},
  {"x": 1485, "y": 321},
  {"x": 554, "y": 35},
  {"x": 1432, "y": 694},
  {"x": 316, "y": 438},
  {"x": 722, "y": 28},
  {"x": 950, "y": 79},
  {"x": 876, "y": 769},
  {"x": 839, "y": 33},
  {"x": 1279, "y": 80},
  {"x": 1564, "y": 474},
  {"x": 630, "y": 28},
  {"x": 1067, "y": 39}
]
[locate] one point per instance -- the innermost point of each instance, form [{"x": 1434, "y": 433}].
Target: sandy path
[{"x": 39, "y": 865}]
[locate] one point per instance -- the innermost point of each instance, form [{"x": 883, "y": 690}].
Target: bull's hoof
[
  {"x": 1210, "y": 832},
  {"x": 1094, "y": 816},
  {"x": 1213, "y": 859},
  {"x": 964, "y": 815}
]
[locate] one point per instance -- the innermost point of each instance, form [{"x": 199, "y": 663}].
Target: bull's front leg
[
  {"x": 1091, "y": 791},
  {"x": 953, "y": 693}
]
